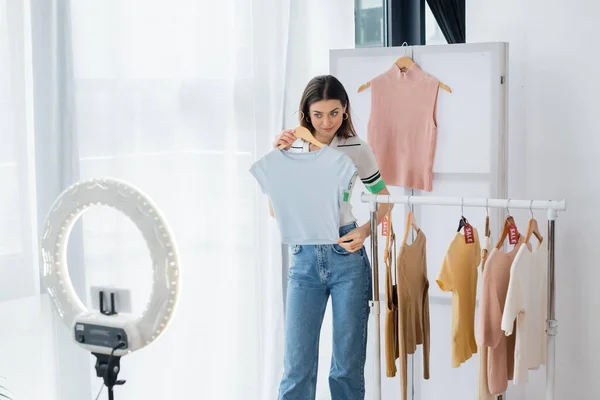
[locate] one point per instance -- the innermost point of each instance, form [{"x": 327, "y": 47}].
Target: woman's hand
[
  {"x": 286, "y": 137},
  {"x": 353, "y": 240}
]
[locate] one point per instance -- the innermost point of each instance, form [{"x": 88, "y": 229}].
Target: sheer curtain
[
  {"x": 179, "y": 100},
  {"x": 26, "y": 337}
]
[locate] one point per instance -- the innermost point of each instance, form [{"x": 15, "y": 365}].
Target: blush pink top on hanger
[{"x": 402, "y": 127}]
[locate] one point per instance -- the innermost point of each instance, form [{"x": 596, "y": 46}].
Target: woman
[{"x": 341, "y": 270}]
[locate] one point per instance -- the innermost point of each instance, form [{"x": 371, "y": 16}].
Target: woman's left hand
[{"x": 353, "y": 240}]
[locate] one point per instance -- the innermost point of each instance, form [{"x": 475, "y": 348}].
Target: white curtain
[
  {"x": 26, "y": 336},
  {"x": 179, "y": 99}
]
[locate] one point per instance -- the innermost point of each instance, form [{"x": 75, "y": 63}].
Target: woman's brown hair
[{"x": 326, "y": 87}]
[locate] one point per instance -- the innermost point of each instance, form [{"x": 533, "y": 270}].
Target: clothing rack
[{"x": 551, "y": 206}]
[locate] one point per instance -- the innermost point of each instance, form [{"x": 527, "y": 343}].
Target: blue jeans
[{"x": 317, "y": 272}]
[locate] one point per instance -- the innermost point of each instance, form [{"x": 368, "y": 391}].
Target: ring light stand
[{"x": 105, "y": 333}]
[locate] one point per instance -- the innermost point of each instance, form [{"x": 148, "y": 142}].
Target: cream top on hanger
[{"x": 526, "y": 301}]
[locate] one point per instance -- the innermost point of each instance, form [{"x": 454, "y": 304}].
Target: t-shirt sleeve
[
  {"x": 368, "y": 169},
  {"x": 258, "y": 170},
  {"x": 444, "y": 278},
  {"x": 348, "y": 173},
  {"x": 514, "y": 298}
]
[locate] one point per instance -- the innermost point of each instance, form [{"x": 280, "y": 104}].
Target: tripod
[{"x": 108, "y": 367}]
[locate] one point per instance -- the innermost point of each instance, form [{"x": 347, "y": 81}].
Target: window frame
[{"x": 403, "y": 21}]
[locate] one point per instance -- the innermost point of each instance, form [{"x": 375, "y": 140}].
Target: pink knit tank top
[{"x": 402, "y": 128}]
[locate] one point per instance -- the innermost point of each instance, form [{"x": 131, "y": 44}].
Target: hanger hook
[
  {"x": 462, "y": 206},
  {"x": 531, "y": 208},
  {"x": 487, "y": 210},
  {"x": 411, "y": 207},
  {"x": 507, "y": 210}
]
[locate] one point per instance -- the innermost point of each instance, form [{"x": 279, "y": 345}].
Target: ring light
[{"x": 97, "y": 332}]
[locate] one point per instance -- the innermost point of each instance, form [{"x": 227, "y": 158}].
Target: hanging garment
[
  {"x": 526, "y": 302},
  {"x": 486, "y": 246},
  {"x": 484, "y": 388},
  {"x": 402, "y": 127},
  {"x": 307, "y": 210},
  {"x": 459, "y": 276},
  {"x": 362, "y": 156},
  {"x": 501, "y": 348},
  {"x": 391, "y": 294},
  {"x": 413, "y": 305}
]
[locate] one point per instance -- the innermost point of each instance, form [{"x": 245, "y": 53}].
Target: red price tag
[
  {"x": 384, "y": 226},
  {"x": 469, "y": 236},
  {"x": 513, "y": 234}
]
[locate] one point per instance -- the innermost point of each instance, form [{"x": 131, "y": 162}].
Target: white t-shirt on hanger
[{"x": 527, "y": 302}]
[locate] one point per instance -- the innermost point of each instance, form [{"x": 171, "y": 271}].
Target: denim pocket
[
  {"x": 343, "y": 252},
  {"x": 340, "y": 250}
]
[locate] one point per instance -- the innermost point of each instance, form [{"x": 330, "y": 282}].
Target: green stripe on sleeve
[{"x": 376, "y": 187}]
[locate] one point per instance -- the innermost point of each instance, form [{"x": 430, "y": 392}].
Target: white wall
[{"x": 554, "y": 141}]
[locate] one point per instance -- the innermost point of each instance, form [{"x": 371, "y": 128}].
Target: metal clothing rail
[{"x": 551, "y": 206}]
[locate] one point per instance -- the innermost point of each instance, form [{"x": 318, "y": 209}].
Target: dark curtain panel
[{"x": 450, "y": 16}]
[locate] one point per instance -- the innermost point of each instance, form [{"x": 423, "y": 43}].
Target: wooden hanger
[
  {"x": 404, "y": 62},
  {"x": 510, "y": 221},
  {"x": 410, "y": 222},
  {"x": 487, "y": 226},
  {"x": 533, "y": 228},
  {"x": 484, "y": 250},
  {"x": 507, "y": 223},
  {"x": 392, "y": 259},
  {"x": 303, "y": 133},
  {"x": 488, "y": 235},
  {"x": 390, "y": 240}
]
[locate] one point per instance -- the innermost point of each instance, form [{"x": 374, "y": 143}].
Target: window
[
  {"x": 433, "y": 32},
  {"x": 370, "y": 27}
]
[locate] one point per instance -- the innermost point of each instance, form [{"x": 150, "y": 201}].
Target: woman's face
[{"x": 326, "y": 116}]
